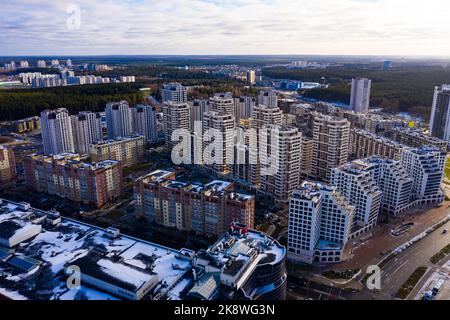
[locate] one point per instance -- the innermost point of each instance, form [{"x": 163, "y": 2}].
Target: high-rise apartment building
[
  {"x": 7, "y": 164},
  {"x": 145, "y": 122},
  {"x": 364, "y": 144},
  {"x": 57, "y": 135},
  {"x": 280, "y": 171},
  {"x": 41, "y": 64},
  {"x": 175, "y": 116},
  {"x": 119, "y": 119},
  {"x": 440, "y": 113},
  {"x": 360, "y": 96},
  {"x": 426, "y": 166},
  {"x": 128, "y": 150},
  {"x": 87, "y": 129},
  {"x": 222, "y": 102},
  {"x": 331, "y": 141},
  {"x": 251, "y": 77},
  {"x": 198, "y": 109},
  {"x": 221, "y": 158},
  {"x": 268, "y": 99},
  {"x": 66, "y": 176},
  {"x": 174, "y": 92},
  {"x": 306, "y": 157},
  {"x": 243, "y": 107},
  {"x": 320, "y": 221},
  {"x": 262, "y": 117},
  {"x": 393, "y": 180},
  {"x": 207, "y": 209},
  {"x": 357, "y": 184},
  {"x": 415, "y": 138}
]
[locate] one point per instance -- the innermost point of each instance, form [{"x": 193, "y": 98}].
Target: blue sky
[{"x": 372, "y": 27}]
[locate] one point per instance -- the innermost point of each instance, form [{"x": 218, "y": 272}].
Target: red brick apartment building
[{"x": 66, "y": 176}]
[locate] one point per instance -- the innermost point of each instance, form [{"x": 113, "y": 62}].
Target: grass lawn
[
  {"x": 441, "y": 254},
  {"x": 447, "y": 168},
  {"x": 137, "y": 167},
  {"x": 409, "y": 284},
  {"x": 341, "y": 275}
]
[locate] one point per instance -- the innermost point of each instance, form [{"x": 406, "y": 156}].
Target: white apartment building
[
  {"x": 41, "y": 64},
  {"x": 175, "y": 116},
  {"x": 24, "y": 64},
  {"x": 222, "y": 102},
  {"x": 356, "y": 183},
  {"x": 280, "y": 170},
  {"x": 119, "y": 120},
  {"x": 145, "y": 122},
  {"x": 360, "y": 96},
  {"x": 57, "y": 135},
  {"x": 128, "y": 150},
  {"x": 262, "y": 117},
  {"x": 268, "y": 99},
  {"x": 198, "y": 108},
  {"x": 222, "y": 142},
  {"x": 243, "y": 107},
  {"x": 320, "y": 220},
  {"x": 251, "y": 77},
  {"x": 440, "y": 113},
  {"x": 331, "y": 144},
  {"x": 174, "y": 92},
  {"x": 426, "y": 166},
  {"x": 86, "y": 128},
  {"x": 393, "y": 180}
]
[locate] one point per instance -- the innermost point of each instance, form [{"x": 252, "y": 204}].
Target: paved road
[
  {"x": 397, "y": 271},
  {"x": 316, "y": 291}
]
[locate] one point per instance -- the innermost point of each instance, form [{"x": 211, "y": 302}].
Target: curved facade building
[{"x": 243, "y": 264}]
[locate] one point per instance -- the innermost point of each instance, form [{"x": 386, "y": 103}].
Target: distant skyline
[{"x": 214, "y": 27}]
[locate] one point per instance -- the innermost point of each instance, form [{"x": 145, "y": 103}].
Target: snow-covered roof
[{"x": 127, "y": 259}]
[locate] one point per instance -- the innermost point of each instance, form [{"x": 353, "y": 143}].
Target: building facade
[
  {"x": 268, "y": 99},
  {"x": 356, "y": 183},
  {"x": 119, "y": 119},
  {"x": 207, "y": 209},
  {"x": 145, "y": 122},
  {"x": 66, "y": 176},
  {"x": 364, "y": 144},
  {"x": 360, "y": 95},
  {"x": 320, "y": 221},
  {"x": 129, "y": 151},
  {"x": 57, "y": 135},
  {"x": 87, "y": 129},
  {"x": 219, "y": 150},
  {"x": 426, "y": 166},
  {"x": 174, "y": 92},
  {"x": 440, "y": 113},
  {"x": 280, "y": 171},
  {"x": 7, "y": 164},
  {"x": 393, "y": 180},
  {"x": 331, "y": 137},
  {"x": 175, "y": 116}
]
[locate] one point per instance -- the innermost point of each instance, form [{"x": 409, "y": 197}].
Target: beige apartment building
[{"x": 128, "y": 150}]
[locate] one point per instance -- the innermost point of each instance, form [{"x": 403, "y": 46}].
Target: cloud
[{"x": 227, "y": 27}]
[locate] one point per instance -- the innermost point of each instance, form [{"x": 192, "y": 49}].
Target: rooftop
[{"x": 124, "y": 261}]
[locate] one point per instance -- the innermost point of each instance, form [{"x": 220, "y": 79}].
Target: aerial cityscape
[{"x": 220, "y": 175}]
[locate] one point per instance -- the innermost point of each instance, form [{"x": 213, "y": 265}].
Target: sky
[{"x": 326, "y": 27}]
